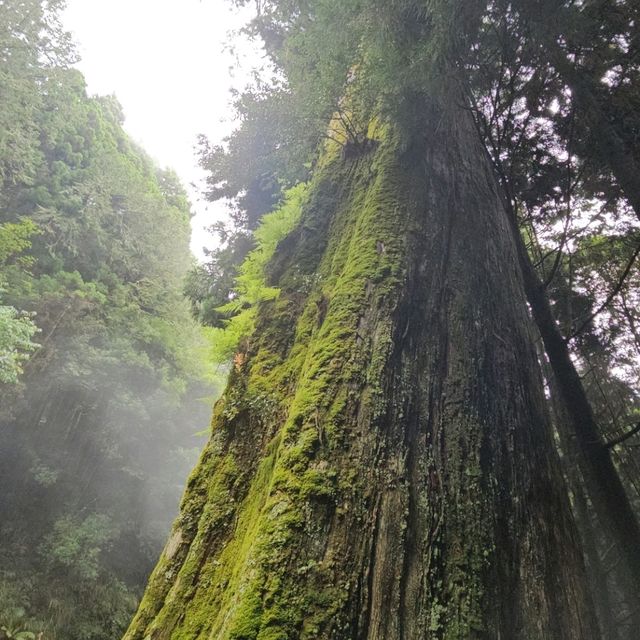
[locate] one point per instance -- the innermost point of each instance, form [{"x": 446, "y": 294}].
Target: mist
[{"x": 92, "y": 466}]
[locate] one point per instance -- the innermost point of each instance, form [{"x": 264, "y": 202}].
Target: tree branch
[
  {"x": 610, "y": 297},
  {"x": 622, "y": 438}
]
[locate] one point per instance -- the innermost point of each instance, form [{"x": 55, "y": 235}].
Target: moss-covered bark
[{"x": 381, "y": 464}]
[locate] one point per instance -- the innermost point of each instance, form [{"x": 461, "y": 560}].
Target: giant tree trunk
[{"x": 381, "y": 465}]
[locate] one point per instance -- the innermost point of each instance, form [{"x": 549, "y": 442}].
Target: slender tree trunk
[
  {"x": 609, "y": 497},
  {"x": 604, "y": 596},
  {"x": 381, "y": 465},
  {"x": 601, "y": 595}
]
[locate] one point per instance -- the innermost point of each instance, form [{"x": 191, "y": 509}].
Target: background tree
[{"x": 543, "y": 75}]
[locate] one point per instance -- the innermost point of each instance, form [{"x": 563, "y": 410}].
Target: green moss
[
  {"x": 293, "y": 400},
  {"x": 323, "y": 356}
]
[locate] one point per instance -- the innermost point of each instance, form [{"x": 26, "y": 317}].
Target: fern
[{"x": 251, "y": 282}]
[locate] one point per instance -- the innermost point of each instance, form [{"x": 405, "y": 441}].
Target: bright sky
[{"x": 166, "y": 62}]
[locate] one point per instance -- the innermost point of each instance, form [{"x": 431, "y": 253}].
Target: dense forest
[
  {"x": 427, "y": 299},
  {"x": 104, "y": 386}
]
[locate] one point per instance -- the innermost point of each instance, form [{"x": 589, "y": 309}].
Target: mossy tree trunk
[{"x": 381, "y": 465}]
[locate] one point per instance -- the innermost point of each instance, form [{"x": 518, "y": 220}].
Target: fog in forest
[{"x": 395, "y": 396}]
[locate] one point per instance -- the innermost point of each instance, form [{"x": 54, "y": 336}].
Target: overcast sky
[{"x": 165, "y": 61}]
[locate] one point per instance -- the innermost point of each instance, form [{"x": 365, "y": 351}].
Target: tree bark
[{"x": 381, "y": 465}]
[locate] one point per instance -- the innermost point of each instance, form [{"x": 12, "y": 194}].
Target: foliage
[
  {"x": 16, "y": 332},
  {"x": 210, "y": 285},
  {"x": 16, "y": 328},
  {"x": 251, "y": 285},
  {"x": 75, "y": 545},
  {"x": 32, "y": 41},
  {"x": 13, "y": 627},
  {"x": 98, "y": 431},
  {"x": 14, "y": 619}
]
